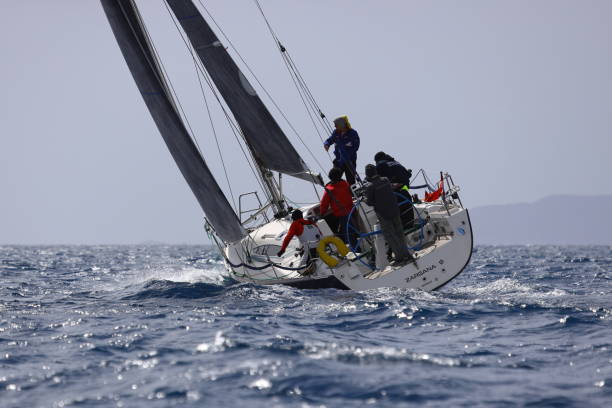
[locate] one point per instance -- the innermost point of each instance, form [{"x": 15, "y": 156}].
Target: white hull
[
  {"x": 444, "y": 256},
  {"x": 435, "y": 266}
]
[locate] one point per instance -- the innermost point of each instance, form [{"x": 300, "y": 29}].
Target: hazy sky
[{"x": 513, "y": 98}]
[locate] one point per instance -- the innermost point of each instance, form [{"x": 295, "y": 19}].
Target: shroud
[{"x": 265, "y": 139}]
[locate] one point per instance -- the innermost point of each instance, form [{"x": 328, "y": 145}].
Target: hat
[
  {"x": 342, "y": 121},
  {"x": 370, "y": 171},
  {"x": 296, "y": 215},
  {"x": 380, "y": 156}
]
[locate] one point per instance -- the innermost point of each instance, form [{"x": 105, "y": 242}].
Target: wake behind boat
[{"x": 437, "y": 231}]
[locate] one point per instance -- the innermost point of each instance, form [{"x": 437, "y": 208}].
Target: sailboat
[{"x": 439, "y": 238}]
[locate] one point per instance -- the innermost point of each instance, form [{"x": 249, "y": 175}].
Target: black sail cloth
[
  {"x": 264, "y": 138},
  {"x": 123, "y": 18}
]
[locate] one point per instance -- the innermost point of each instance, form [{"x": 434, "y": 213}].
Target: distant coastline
[{"x": 552, "y": 220}]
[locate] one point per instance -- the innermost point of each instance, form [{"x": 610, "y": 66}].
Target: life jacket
[
  {"x": 307, "y": 232},
  {"x": 337, "y": 196},
  {"x": 310, "y": 236}
]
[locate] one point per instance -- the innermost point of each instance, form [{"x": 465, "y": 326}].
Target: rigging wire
[
  {"x": 304, "y": 92},
  {"x": 162, "y": 74},
  {"x": 312, "y": 104},
  {"x": 212, "y": 126},
  {"x": 209, "y": 82},
  {"x": 233, "y": 126},
  {"x": 311, "y": 97},
  {"x": 308, "y": 111},
  {"x": 301, "y": 85},
  {"x": 427, "y": 181},
  {"x": 261, "y": 86},
  {"x": 312, "y": 108}
]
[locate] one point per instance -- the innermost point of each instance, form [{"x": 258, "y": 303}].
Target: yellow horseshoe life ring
[{"x": 327, "y": 258}]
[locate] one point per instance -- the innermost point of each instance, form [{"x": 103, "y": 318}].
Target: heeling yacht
[{"x": 440, "y": 237}]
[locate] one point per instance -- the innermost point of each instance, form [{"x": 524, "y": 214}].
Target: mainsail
[
  {"x": 137, "y": 51},
  {"x": 265, "y": 139}
]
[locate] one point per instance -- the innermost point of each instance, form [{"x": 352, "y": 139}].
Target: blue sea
[{"x": 164, "y": 326}]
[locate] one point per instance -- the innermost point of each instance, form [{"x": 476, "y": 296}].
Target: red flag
[{"x": 429, "y": 197}]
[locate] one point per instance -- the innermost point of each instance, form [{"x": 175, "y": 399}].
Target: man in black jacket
[
  {"x": 379, "y": 195},
  {"x": 388, "y": 167}
]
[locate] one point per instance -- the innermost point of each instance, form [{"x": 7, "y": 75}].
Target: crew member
[
  {"x": 399, "y": 176},
  {"x": 306, "y": 230},
  {"x": 346, "y": 143},
  {"x": 379, "y": 195},
  {"x": 338, "y": 196},
  {"x": 388, "y": 167}
]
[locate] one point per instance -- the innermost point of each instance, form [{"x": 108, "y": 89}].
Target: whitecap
[{"x": 261, "y": 384}]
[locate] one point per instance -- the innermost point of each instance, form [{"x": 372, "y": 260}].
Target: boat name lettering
[{"x": 420, "y": 273}]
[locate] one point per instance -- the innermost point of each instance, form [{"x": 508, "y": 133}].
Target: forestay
[
  {"x": 265, "y": 139},
  {"x": 137, "y": 51}
]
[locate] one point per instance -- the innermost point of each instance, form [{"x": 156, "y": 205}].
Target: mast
[
  {"x": 266, "y": 141},
  {"x": 141, "y": 59}
]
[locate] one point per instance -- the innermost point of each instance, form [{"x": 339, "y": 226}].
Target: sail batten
[
  {"x": 263, "y": 136},
  {"x": 140, "y": 57}
]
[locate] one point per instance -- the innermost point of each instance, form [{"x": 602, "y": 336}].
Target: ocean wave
[
  {"x": 153, "y": 289},
  {"x": 164, "y": 325}
]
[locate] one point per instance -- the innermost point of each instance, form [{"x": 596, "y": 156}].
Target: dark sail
[
  {"x": 264, "y": 137},
  {"x": 124, "y": 20}
]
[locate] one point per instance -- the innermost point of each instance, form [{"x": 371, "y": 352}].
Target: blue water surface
[{"x": 159, "y": 326}]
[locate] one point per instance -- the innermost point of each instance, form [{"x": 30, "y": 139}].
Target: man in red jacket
[{"x": 338, "y": 196}]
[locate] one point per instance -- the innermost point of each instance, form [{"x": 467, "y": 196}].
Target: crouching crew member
[
  {"x": 379, "y": 195},
  {"x": 306, "y": 230},
  {"x": 338, "y": 197},
  {"x": 388, "y": 167},
  {"x": 346, "y": 143}
]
